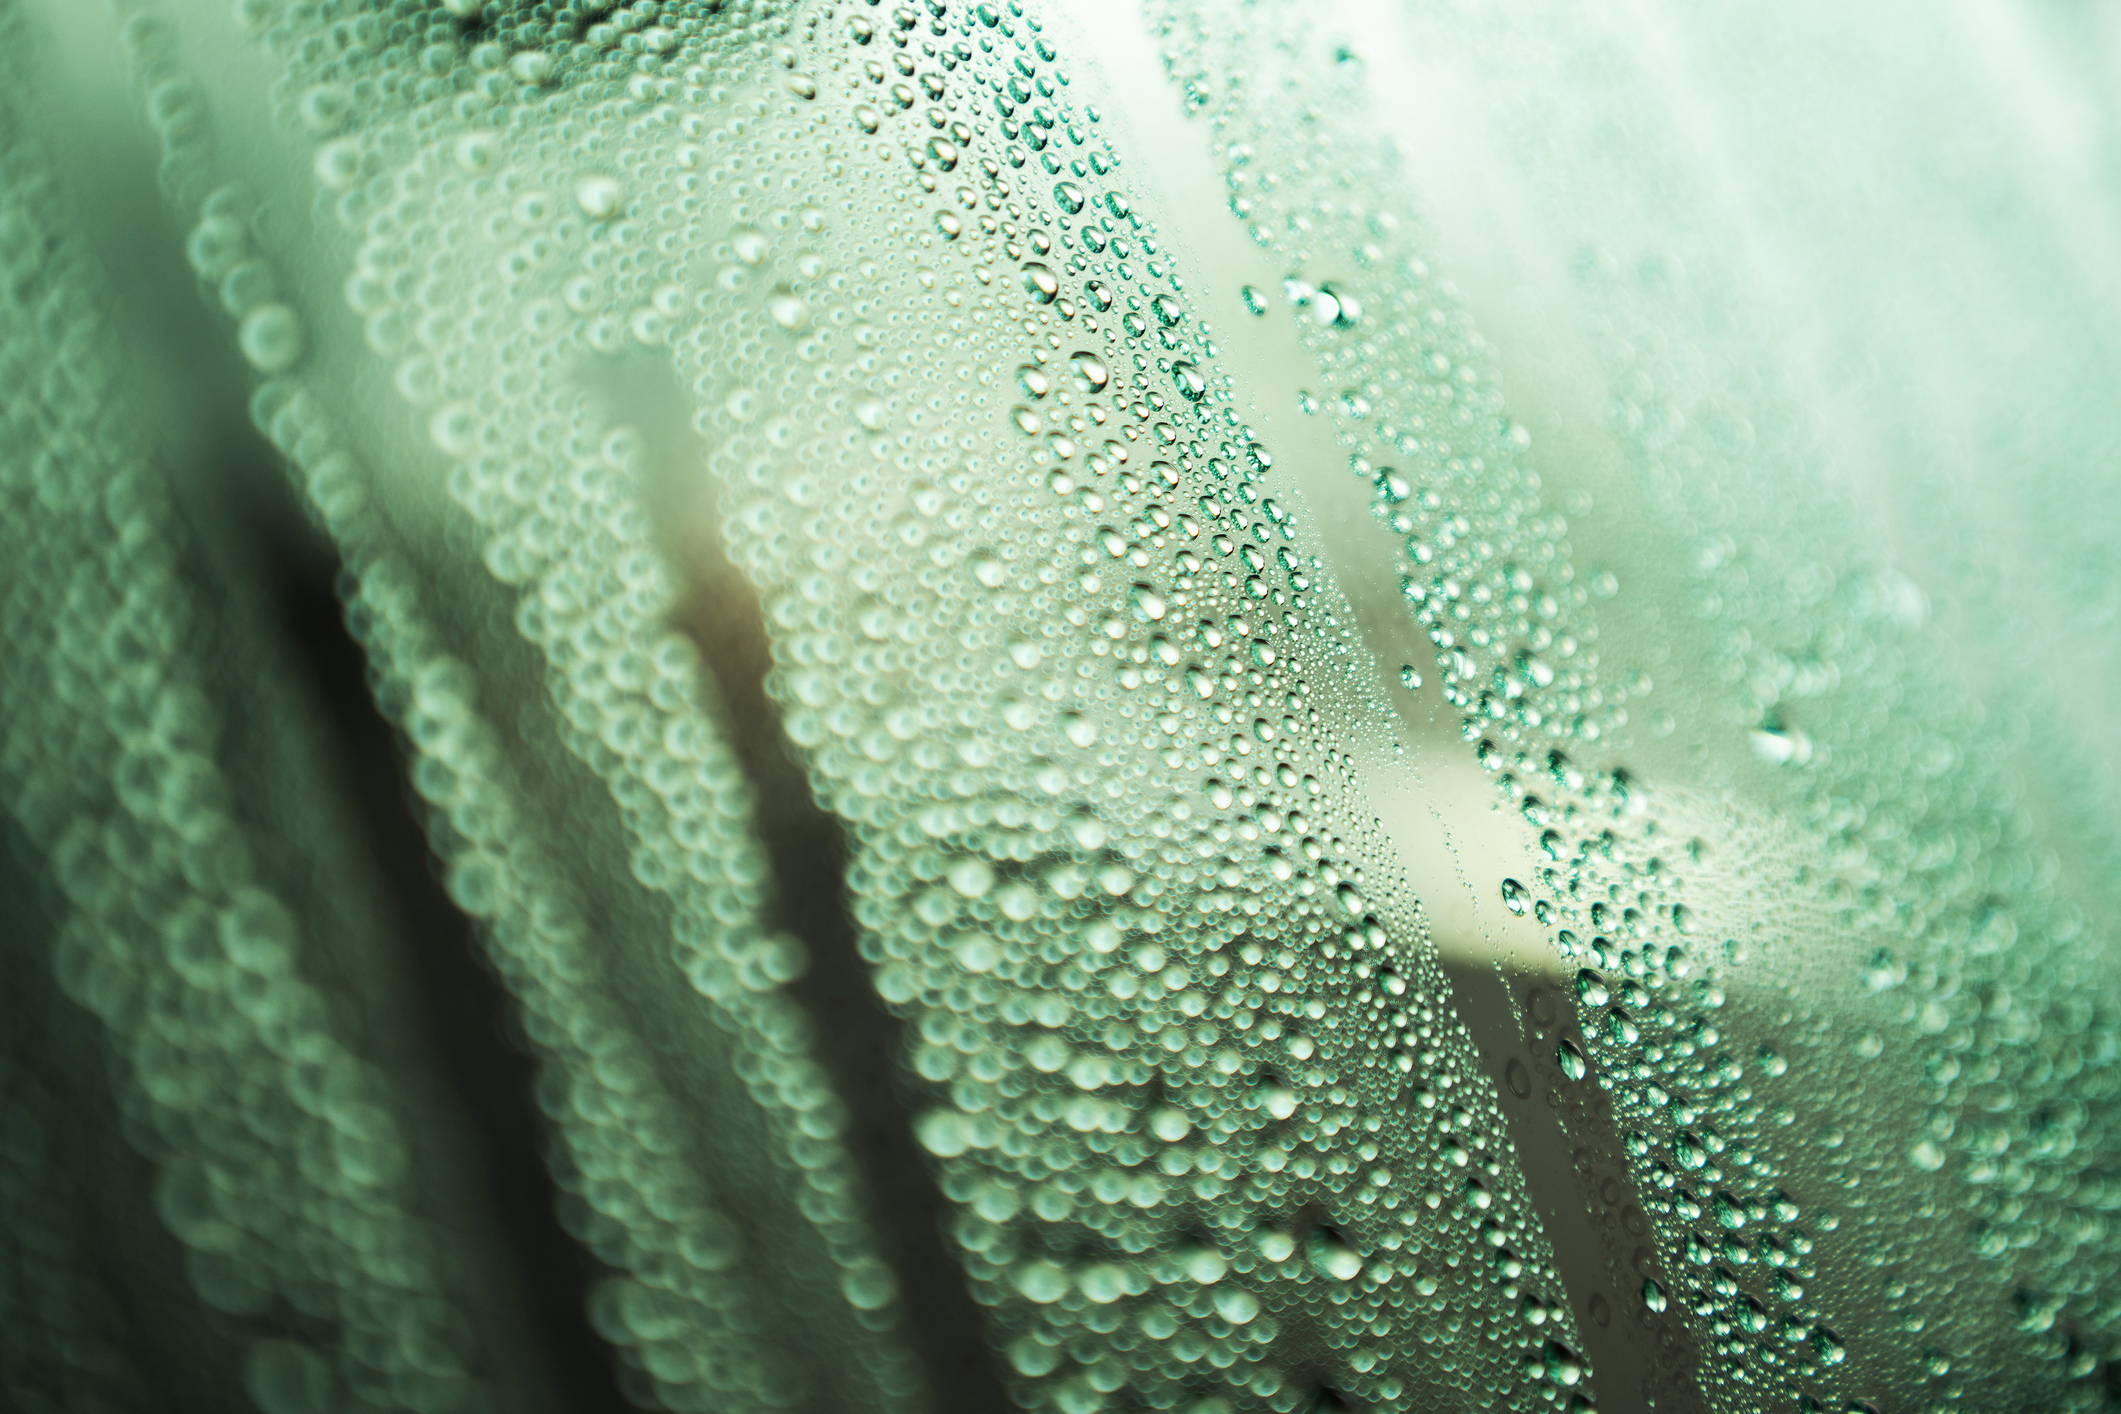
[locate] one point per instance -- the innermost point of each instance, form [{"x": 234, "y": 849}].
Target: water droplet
[
  {"x": 1336, "y": 306},
  {"x": 1040, "y": 284},
  {"x": 977, "y": 953},
  {"x": 788, "y": 309},
  {"x": 271, "y": 338},
  {"x": 1570, "y": 1057},
  {"x": 1255, "y": 299},
  {"x": 475, "y": 152},
  {"x": 598, "y": 196},
  {"x": 338, "y": 164},
  {"x": 972, "y": 877},
  {"x": 1167, "y": 310},
  {"x": 1515, "y": 897},
  {"x": 325, "y": 107},
  {"x": 943, "y": 1133},
  {"x": 1070, "y": 197},
  {"x": 1332, "y": 1255},
  {"x": 1042, "y": 1281},
  {"x": 1205, "y": 1265},
  {"x": 1090, "y": 372},
  {"x": 1189, "y": 380}
]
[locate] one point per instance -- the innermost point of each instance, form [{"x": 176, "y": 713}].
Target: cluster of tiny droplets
[
  {"x": 283, "y": 1157},
  {"x": 1077, "y": 1226},
  {"x": 62, "y": 1332},
  {"x": 411, "y": 133},
  {"x": 694, "y": 1310},
  {"x": 1967, "y": 965},
  {"x": 1970, "y": 965},
  {"x": 1963, "y": 959},
  {"x": 1053, "y": 652},
  {"x": 1064, "y": 1290}
]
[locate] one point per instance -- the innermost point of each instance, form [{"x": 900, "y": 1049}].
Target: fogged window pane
[{"x": 1123, "y": 707}]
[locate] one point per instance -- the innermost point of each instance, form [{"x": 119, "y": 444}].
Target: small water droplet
[{"x": 271, "y": 337}]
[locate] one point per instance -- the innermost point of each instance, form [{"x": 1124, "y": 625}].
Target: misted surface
[{"x": 1129, "y": 707}]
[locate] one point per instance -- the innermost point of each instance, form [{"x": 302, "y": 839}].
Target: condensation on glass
[{"x": 1114, "y": 707}]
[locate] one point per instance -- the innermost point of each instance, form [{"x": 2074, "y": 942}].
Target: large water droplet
[
  {"x": 1332, "y": 1255},
  {"x": 788, "y": 309},
  {"x": 598, "y": 196}
]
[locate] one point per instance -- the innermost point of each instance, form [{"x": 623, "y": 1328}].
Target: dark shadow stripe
[
  {"x": 465, "y": 1020},
  {"x": 857, "y": 1040}
]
